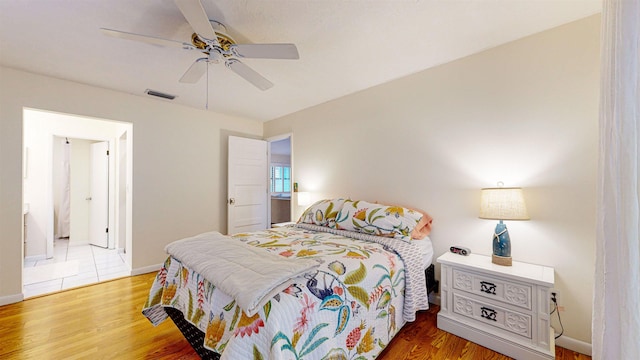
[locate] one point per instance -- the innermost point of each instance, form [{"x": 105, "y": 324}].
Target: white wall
[
  {"x": 179, "y": 164},
  {"x": 525, "y": 113},
  {"x": 281, "y": 159}
]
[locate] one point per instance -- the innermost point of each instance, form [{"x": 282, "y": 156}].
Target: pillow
[
  {"x": 423, "y": 228},
  {"x": 322, "y": 213},
  {"x": 380, "y": 220}
]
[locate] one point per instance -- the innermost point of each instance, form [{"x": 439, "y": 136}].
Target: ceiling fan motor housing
[{"x": 224, "y": 39}]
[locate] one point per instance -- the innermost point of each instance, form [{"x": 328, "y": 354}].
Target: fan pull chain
[{"x": 207, "y": 102}]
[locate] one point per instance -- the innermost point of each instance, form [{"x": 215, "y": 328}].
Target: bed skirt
[
  {"x": 433, "y": 285},
  {"x": 194, "y": 336}
]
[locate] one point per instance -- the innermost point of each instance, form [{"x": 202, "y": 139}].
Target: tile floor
[{"x": 72, "y": 266}]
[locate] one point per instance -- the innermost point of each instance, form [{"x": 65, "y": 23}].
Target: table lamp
[{"x": 502, "y": 203}]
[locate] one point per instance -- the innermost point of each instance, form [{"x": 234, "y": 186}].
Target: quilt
[
  {"x": 249, "y": 274},
  {"x": 349, "y": 307}
]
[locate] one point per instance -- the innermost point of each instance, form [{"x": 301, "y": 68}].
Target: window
[{"x": 280, "y": 179}]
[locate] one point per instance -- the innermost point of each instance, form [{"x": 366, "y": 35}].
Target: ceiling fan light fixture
[
  {"x": 159, "y": 94},
  {"x": 214, "y": 56}
]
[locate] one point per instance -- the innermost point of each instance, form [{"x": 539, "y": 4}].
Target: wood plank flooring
[{"x": 103, "y": 321}]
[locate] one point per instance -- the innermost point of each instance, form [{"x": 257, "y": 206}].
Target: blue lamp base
[{"x": 501, "y": 246}]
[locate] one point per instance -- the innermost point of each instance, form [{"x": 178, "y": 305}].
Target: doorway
[
  {"x": 280, "y": 183},
  {"x": 81, "y": 191},
  {"x": 60, "y": 157}
]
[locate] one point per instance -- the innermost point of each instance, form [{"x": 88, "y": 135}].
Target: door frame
[{"x": 51, "y": 124}]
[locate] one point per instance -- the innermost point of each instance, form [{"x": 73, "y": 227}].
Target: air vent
[{"x": 159, "y": 94}]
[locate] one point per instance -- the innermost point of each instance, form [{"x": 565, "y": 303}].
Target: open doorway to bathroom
[
  {"x": 280, "y": 175},
  {"x": 77, "y": 203}
]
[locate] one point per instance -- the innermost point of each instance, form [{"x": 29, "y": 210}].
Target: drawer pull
[
  {"x": 488, "y": 314},
  {"x": 488, "y": 287}
]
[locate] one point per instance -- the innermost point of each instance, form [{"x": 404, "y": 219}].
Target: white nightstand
[{"x": 504, "y": 308}]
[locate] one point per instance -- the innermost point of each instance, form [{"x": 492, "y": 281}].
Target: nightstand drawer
[
  {"x": 493, "y": 288},
  {"x": 490, "y": 314}
]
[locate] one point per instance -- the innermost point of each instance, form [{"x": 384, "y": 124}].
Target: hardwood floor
[
  {"x": 103, "y": 321},
  {"x": 422, "y": 340}
]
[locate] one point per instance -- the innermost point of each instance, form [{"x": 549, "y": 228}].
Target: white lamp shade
[{"x": 503, "y": 204}]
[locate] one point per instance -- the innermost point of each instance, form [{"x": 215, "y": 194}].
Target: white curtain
[
  {"x": 64, "y": 209},
  {"x": 616, "y": 310}
]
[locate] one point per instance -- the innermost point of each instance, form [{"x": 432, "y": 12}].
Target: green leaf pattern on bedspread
[{"x": 344, "y": 310}]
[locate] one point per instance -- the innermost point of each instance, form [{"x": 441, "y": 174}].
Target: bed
[{"x": 338, "y": 285}]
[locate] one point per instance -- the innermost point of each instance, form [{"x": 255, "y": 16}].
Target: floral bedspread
[{"x": 350, "y": 308}]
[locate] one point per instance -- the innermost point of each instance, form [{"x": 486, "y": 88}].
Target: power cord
[{"x": 555, "y": 309}]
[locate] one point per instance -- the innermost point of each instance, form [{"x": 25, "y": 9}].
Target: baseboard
[
  {"x": 146, "y": 269},
  {"x": 10, "y": 299},
  {"x": 574, "y": 345}
]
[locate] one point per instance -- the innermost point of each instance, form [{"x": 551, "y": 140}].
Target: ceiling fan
[{"x": 211, "y": 39}]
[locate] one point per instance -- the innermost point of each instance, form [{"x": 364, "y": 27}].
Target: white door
[
  {"x": 247, "y": 185},
  {"x": 99, "y": 198}
]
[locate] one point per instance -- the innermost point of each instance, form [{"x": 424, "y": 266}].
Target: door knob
[{"x": 232, "y": 201}]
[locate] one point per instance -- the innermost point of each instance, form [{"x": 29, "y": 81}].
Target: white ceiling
[{"x": 345, "y": 45}]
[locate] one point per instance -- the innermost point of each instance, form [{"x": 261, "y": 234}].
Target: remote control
[{"x": 460, "y": 250}]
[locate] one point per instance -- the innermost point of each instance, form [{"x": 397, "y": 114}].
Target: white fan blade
[
  {"x": 266, "y": 51},
  {"x": 195, "y": 71},
  {"x": 147, "y": 39},
  {"x": 248, "y": 74},
  {"x": 197, "y": 18}
]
